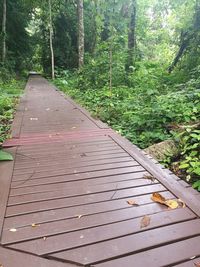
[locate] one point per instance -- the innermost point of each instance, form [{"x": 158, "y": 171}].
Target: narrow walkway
[{"x": 63, "y": 200}]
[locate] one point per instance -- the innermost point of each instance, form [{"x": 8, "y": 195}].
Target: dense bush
[
  {"x": 145, "y": 113},
  {"x": 9, "y": 93}
]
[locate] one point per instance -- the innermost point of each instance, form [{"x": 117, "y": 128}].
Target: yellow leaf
[
  {"x": 145, "y": 221},
  {"x": 173, "y": 204}
]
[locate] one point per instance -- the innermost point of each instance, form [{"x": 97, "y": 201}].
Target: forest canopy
[{"x": 135, "y": 64}]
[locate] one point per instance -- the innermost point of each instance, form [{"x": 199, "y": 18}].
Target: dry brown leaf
[
  {"x": 132, "y": 203},
  {"x": 145, "y": 221},
  {"x": 149, "y": 177},
  {"x": 197, "y": 264},
  {"x": 172, "y": 204},
  {"x": 34, "y": 225},
  {"x": 13, "y": 230},
  {"x": 158, "y": 198}
]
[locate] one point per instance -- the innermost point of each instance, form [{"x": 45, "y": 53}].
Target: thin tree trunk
[
  {"x": 4, "y": 32},
  {"x": 131, "y": 36},
  {"x": 51, "y": 41},
  {"x": 111, "y": 64},
  {"x": 80, "y": 33}
]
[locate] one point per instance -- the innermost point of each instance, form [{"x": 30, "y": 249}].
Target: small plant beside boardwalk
[{"x": 9, "y": 98}]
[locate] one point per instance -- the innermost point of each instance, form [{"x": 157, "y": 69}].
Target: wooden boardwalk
[{"x": 63, "y": 200}]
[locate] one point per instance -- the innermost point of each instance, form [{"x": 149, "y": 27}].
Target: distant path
[{"x": 63, "y": 200}]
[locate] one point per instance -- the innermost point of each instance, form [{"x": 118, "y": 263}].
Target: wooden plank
[
  {"x": 11, "y": 258},
  {"x": 76, "y": 176},
  {"x": 68, "y": 213},
  {"x": 123, "y": 246},
  {"x": 71, "y": 165},
  {"x": 164, "y": 256},
  {"x": 68, "y": 171},
  {"x": 103, "y": 233},
  {"x": 170, "y": 183},
  {"x": 81, "y": 200},
  {"x": 137, "y": 178},
  {"x": 74, "y": 224},
  {"x": 67, "y": 191},
  {"x": 6, "y": 170}
]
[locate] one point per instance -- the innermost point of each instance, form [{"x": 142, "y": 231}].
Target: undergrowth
[
  {"x": 147, "y": 110},
  {"x": 9, "y": 97}
]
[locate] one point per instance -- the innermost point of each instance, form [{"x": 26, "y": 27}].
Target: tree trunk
[
  {"x": 51, "y": 41},
  {"x": 131, "y": 36},
  {"x": 80, "y": 33},
  {"x": 182, "y": 48},
  {"x": 4, "y": 32}
]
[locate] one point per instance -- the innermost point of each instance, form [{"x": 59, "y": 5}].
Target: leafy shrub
[
  {"x": 190, "y": 156},
  {"x": 9, "y": 93}
]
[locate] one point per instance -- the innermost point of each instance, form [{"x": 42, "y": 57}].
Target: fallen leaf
[
  {"x": 149, "y": 177},
  {"x": 34, "y": 225},
  {"x": 13, "y": 230},
  {"x": 197, "y": 264},
  {"x": 132, "y": 203},
  {"x": 145, "y": 221},
  {"x": 158, "y": 198},
  {"x": 181, "y": 203},
  {"x": 173, "y": 204}
]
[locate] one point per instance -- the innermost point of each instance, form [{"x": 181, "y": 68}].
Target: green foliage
[
  {"x": 147, "y": 111},
  {"x": 9, "y": 93},
  {"x": 189, "y": 141},
  {"x": 4, "y": 156}
]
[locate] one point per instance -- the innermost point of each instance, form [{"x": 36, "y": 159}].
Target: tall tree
[
  {"x": 4, "y": 31},
  {"x": 131, "y": 35},
  {"x": 80, "y": 33},
  {"x": 51, "y": 41},
  {"x": 189, "y": 38}
]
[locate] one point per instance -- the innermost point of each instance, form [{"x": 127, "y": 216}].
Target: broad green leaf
[{"x": 4, "y": 156}]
